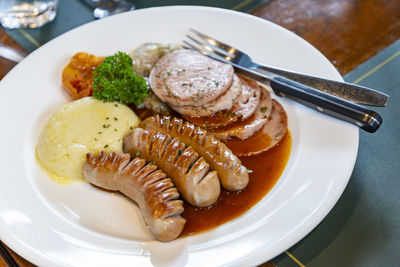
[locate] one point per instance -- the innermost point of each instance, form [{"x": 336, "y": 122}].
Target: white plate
[{"x": 52, "y": 224}]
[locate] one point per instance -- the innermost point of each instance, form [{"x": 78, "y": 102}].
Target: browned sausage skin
[
  {"x": 153, "y": 191},
  {"x": 232, "y": 174},
  {"x": 190, "y": 173}
]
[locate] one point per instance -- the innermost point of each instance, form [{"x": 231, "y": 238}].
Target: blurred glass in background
[
  {"x": 27, "y": 13},
  {"x": 105, "y": 8}
]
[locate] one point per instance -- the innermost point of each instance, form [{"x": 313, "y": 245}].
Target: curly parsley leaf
[{"x": 115, "y": 80}]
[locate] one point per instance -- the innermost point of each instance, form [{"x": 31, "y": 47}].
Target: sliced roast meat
[
  {"x": 188, "y": 78},
  {"x": 277, "y": 124},
  {"x": 152, "y": 190},
  {"x": 246, "y": 128},
  {"x": 271, "y": 134},
  {"x": 223, "y": 102},
  {"x": 246, "y": 104}
]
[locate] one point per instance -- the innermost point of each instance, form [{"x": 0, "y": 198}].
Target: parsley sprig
[{"x": 115, "y": 80}]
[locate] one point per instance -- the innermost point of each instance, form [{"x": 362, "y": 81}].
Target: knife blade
[
  {"x": 10, "y": 54},
  {"x": 351, "y": 92}
]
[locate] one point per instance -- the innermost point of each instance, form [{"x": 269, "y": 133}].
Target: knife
[
  {"x": 352, "y": 92},
  {"x": 217, "y": 49},
  {"x": 328, "y": 104},
  {"x": 10, "y": 54}
]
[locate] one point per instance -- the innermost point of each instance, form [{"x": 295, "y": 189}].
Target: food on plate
[
  {"x": 146, "y": 56},
  {"x": 115, "y": 80},
  {"x": 232, "y": 174},
  {"x": 236, "y": 108},
  {"x": 153, "y": 105},
  {"x": 77, "y": 76},
  {"x": 218, "y": 119},
  {"x": 269, "y": 136},
  {"x": 245, "y": 129},
  {"x": 153, "y": 191},
  {"x": 79, "y": 127},
  {"x": 276, "y": 127},
  {"x": 182, "y": 165},
  {"x": 246, "y": 104},
  {"x": 190, "y": 172},
  {"x": 222, "y": 102},
  {"x": 187, "y": 78}
]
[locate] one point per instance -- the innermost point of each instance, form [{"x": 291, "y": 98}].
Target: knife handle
[
  {"x": 367, "y": 120},
  {"x": 352, "y": 92}
]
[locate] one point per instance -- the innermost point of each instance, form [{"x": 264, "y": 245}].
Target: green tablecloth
[
  {"x": 30, "y": 39},
  {"x": 363, "y": 229}
]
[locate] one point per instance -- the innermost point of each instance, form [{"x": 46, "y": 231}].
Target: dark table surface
[{"x": 348, "y": 33}]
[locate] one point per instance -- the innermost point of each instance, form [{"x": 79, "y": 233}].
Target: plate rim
[{"x": 18, "y": 246}]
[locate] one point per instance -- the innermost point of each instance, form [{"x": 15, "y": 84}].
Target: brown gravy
[
  {"x": 219, "y": 119},
  {"x": 266, "y": 168}
]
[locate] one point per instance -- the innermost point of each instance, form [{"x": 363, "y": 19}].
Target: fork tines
[
  {"x": 220, "y": 46},
  {"x": 208, "y": 46}
]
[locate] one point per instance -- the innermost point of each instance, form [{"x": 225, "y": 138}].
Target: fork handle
[
  {"x": 345, "y": 90},
  {"x": 367, "y": 120}
]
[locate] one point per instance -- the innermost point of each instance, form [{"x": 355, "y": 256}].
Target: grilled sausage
[
  {"x": 152, "y": 190},
  {"x": 232, "y": 174},
  {"x": 190, "y": 173}
]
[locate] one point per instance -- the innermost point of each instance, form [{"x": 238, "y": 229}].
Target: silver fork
[
  {"x": 351, "y": 92},
  {"x": 328, "y": 104}
]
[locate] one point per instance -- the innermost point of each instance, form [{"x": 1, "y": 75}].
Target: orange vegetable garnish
[{"x": 77, "y": 76}]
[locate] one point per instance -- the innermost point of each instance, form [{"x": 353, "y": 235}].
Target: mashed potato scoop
[{"x": 77, "y": 128}]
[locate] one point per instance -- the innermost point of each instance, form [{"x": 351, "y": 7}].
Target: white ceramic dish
[{"x": 77, "y": 225}]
